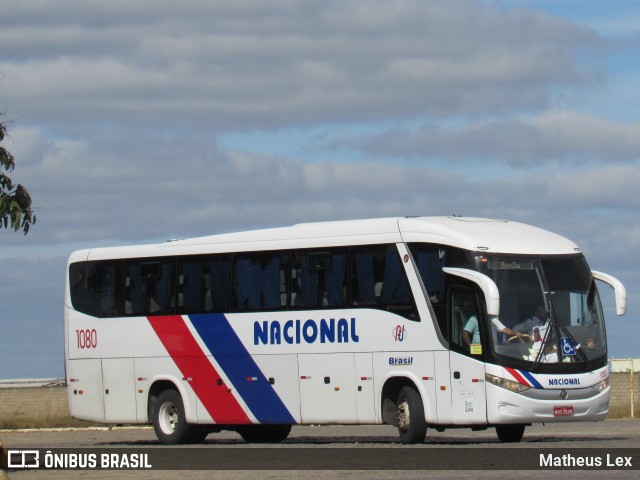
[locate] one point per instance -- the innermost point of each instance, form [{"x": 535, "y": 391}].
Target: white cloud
[
  {"x": 282, "y": 63},
  {"x": 559, "y": 136}
]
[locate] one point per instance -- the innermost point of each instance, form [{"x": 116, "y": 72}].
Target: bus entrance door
[{"x": 468, "y": 397}]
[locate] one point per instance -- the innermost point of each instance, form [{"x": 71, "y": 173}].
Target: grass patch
[
  {"x": 20, "y": 422},
  {"x": 620, "y": 412}
]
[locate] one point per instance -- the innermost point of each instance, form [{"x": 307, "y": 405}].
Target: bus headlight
[
  {"x": 506, "y": 383},
  {"x": 601, "y": 386}
]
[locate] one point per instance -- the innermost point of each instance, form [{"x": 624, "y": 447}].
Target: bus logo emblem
[{"x": 399, "y": 333}]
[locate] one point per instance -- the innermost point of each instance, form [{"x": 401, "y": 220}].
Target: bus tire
[
  {"x": 169, "y": 420},
  {"x": 412, "y": 425},
  {"x": 510, "y": 433},
  {"x": 264, "y": 433}
]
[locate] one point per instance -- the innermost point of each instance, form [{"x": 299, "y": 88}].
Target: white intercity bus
[{"x": 433, "y": 322}]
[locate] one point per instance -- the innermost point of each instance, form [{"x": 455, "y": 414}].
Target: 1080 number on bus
[{"x": 87, "y": 338}]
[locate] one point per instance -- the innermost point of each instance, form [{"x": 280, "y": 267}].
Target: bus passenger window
[
  {"x": 430, "y": 258},
  {"x": 219, "y": 284},
  {"x": 318, "y": 278},
  {"x": 149, "y": 287},
  {"x": 192, "y": 287},
  {"x": 260, "y": 281},
  {"x": 81, "y": 298},
  {"x": 96, "y": 288},
  {"x": 204, "y": 284},
  {"x": 430, "y": 262},
  {"x": 378, "y": 279}
]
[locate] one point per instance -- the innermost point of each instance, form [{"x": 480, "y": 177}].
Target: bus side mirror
[
  {"x": 488, "y": 287},
  {"x": 618, "y": 287}
]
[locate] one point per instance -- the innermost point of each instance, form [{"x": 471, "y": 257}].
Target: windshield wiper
[
  {"x": 547, "y": 334},
  {"x": 552, "y": 326}
]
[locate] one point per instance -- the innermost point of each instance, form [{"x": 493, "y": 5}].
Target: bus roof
[
  {"x": 486, "y": 234},
  {"x": 470, "y": 233}
]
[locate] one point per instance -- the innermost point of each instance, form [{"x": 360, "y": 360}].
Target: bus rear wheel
[
  {"x": 170, "y": 422},
  {"x": 510, "y": 433},
  {"x": 410, "y": 415},
  {"x": 264, "y": 433}
]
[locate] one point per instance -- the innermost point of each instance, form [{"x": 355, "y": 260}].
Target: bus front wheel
[
  {"x": 170, "y": 422},
  {"x": 510, "y": 433},
  {"x": 410, "y": 414}
]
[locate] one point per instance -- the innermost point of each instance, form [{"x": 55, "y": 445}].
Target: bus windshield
[{"x": 553, "y": 306}]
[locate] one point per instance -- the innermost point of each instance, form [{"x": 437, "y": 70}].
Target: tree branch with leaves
[{"x": 15, "y": 201}]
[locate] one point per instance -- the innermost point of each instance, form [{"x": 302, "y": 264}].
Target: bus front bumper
[{"x": 546, "y": 405}]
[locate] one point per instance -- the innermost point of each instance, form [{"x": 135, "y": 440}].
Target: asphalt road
[{"x": 462, "y": 449}]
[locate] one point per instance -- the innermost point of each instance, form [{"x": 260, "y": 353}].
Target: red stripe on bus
[
  {"x": 519, "y": 378},
  {"x": 192, "y": 362}
]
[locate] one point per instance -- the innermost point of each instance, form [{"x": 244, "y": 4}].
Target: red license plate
[{"x": 564, "y": 411}]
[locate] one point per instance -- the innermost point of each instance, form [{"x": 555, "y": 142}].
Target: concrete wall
[
  {"x": 34, "y": 404},
  {"x": 24, "y": 407},
  {"x": 625, "y": 388},
  {"x": 621, "y": 395},
  {"x": 46, "y": 406}
]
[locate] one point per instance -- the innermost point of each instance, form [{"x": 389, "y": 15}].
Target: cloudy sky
[{"x": 142, "y": 121}]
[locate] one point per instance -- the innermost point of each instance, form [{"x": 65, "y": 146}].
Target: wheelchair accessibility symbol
[{"x": 567, "y": 346}]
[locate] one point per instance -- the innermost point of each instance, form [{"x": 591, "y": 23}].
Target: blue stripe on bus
[
  {"x": 236, "y": 362},
  {"x": 531, "y": 378}
]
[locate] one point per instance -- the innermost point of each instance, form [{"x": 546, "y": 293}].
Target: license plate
[{"x": 564, "y": 411}]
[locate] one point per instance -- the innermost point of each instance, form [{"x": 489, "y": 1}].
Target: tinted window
[
  {"x": 96, "y": 288},
  {"x": 318, "y": 278},
  {"x": 204, "y": 284},
  {"x": 369, "y": 276},
  {"x": 430, "y": 259},
  {"x": 149, "y": 286},
  {"x": 260, "y": 281},
  {"x": 378, "y": 279}
]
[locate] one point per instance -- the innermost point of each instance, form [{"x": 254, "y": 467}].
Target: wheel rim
[
  {"x": 404, "y": 416},
  {"x": 168, "y": 417}
]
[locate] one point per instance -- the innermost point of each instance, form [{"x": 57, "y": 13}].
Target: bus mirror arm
[
  {"x": 488, "y": 287},
  {"x": 618, "y": 287}
]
